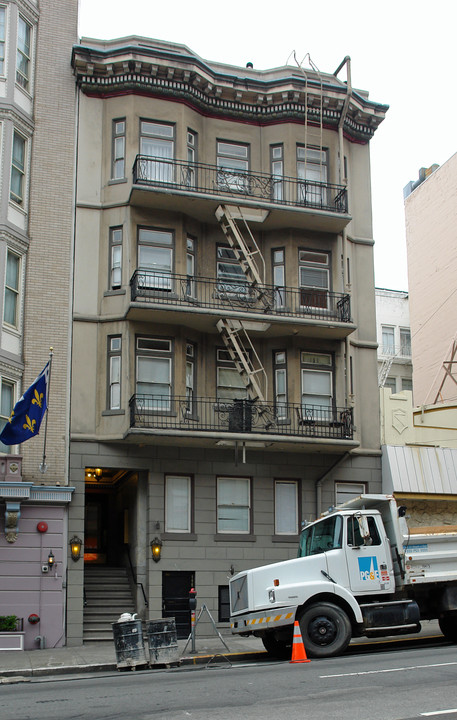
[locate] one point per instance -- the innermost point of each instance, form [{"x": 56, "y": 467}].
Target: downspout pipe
[{"x": 322, "y": 478}]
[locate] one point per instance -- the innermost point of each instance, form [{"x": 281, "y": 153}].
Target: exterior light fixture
[
  {"x": 51, "y": 560},
  {"x": 75, "y": 547},
  {"x": 156, "y": 548}
]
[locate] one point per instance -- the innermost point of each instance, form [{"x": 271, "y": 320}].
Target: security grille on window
[
  {"x": 115, "y": 258},
  {"x": 316, "y": 386},
  {"x": 314, "y": 278},
  {"x": 155, "y": 259},
  {"x": 2, "y": 39},
  {"x": 118, "y": 170},
  {"x": 178, "y": 504},
  {"x": 157, "y": 141},
  {"x": 230, "y": 385},
  {"x": 153, "y": 373},
  {"x": 286, "y": 507},
  {"x": 233, "y": 505},
  {"x": 312, "y": 166},
  {"x": 24, "y": 32},
  {"x": 6, "y": 406},
  {"x": 233, "y": 164},
  {"x": 11, "y": 306},
  {"x": 114, "y": 372},
  {"x": 18, "y": 168}
]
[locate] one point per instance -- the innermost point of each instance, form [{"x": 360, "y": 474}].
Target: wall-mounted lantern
[
  {"x": 156, "y": 548},
  {"x": 51, "y": 560},
  {"x": 75, "y": 547}
]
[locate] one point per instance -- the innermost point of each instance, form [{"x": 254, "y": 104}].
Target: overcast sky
[{"x": 402, "y": 51}]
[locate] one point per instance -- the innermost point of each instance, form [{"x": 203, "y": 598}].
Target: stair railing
[{"x": 135, "y": 582}]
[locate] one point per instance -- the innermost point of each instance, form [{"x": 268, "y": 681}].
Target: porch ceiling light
[
  {"x": 75, "y": 547},
  {"x": 156, "y": 548}
]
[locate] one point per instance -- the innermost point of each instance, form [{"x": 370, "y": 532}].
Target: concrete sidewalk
[{"x": 20, "y": 666}]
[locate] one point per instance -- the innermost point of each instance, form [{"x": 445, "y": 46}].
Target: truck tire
[
  {"x": 325, "y": 629},
  {"x": 281, "y": 649},
  {"x": 448, "y": 626}
]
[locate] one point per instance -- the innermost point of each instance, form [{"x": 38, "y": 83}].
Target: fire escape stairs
[{"x": 384, "y": 370}]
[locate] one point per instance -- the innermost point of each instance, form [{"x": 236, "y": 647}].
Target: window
[
  {"x": 191, "y": 170},
  {"x": 406, "y": 384},
  {"x": 17, "y": 168},
  {"x": 178, "y": 504},
  {"x": 24, "y": 32},
  {"x": 286, "y": 507},
  {"x": 114, "y": 372},
  {"x": 279, "y": 277},
  {"x": 347, "y": 491},
  {"x": 157, "y": 141},
  {"x": 11, "y": 306},
  {"x": 190, "y": 266},
  {"x": 230, "y": 276},
  {"x": 233, "y": 164},
  {"x": 316, "y": 382},
  {"x": 6, "y": 406},
  {"x": 233, "y": 505},
  {"x": 323, "y": 536},
  {"x": 405, "y": 342},
  {"x": 391, "y": 383},
  {"x": 312, "y": 168},
  {"x": 280, "y": 383},
  {"x": 190, "y": 378},
  {"x": 388, "y": 340},
  {"x": 314, "y": 280},
  {"x": 115, "y": 272},
  {"x": 2, "y": 39},
  {"x": 230, "y": 385},
  {"x": 153, "y": 373},
  {"x": 155, "y": 259},
  {"x": 355, "y": 536},
  {"x": 277, "y": 171},
  {"x": 118, "y": 167},
  {"x": 224, "y": 604}
]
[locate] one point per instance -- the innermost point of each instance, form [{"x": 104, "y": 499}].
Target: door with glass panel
[
  {"x": 155, "y": 259},
  {"x": 157, "y": 151},
  {"x": 312, "y": 169}
]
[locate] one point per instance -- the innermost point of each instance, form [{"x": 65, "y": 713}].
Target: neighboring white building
[{"x": 394, "y": 340}]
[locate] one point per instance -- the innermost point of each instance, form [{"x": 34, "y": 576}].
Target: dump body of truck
[{"x": 360, "y": 571}]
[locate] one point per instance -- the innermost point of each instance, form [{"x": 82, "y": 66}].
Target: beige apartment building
[
  {"x": 37, "y": 167},
  {"x": 224, "y": 374}
]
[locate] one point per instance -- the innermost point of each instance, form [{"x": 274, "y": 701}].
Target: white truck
[{"x": 359, "y": 572}]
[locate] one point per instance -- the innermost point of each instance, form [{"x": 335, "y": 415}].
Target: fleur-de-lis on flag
[
  {"x": 29, "y": 424},
  {"x": 27, "y": 414},
  {"x": 38, "y": 399}
]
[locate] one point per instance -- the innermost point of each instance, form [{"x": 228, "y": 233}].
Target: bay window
[
  {"x": 316, "y": 384},
  {"x": 154, "y": 373},
  {"x": 24, "y": 33}
]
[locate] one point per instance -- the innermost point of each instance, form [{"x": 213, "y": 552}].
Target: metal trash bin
[
  {"x": 128, "y": 643},
  {"x": 162, "y": 641}
]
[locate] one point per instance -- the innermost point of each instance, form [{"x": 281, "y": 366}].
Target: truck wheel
[
  {"x": 325, "y": 629},
  {"x": 281, "y": 649},
  {"x": 448, "y": 626}
]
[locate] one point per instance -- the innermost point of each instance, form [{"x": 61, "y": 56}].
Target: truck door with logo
[{"x": 369, "y": 565}]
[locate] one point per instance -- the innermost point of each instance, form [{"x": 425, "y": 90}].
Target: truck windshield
[{"x": 321, "y": 537}]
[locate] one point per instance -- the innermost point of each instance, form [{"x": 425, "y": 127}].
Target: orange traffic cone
[{"x": 298, "y": 649}]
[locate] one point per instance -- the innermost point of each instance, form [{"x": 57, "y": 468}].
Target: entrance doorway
[{"x": 175, "y": 599}]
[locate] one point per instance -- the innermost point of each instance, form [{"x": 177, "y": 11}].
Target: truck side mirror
[{"x": 364, "y": 529}]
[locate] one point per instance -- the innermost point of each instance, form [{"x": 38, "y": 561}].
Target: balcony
[
  {"x": 285, "y": 198},
  {"x": 323, "y": 313},
  {"x": 196, "y": 417}
]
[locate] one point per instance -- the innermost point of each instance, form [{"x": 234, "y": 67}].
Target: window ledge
[
  {"x": 113, "y": 412},
  {"x": 118, "y": 291},
  {"x": 117, "y": 181},
  {"x": 179, "y": 536},
  {"x": 285, "y": 538},
  {"x": 229, "y": 537}
]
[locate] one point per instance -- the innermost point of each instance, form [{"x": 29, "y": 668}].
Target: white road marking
[
  {"x": 440, "y": 712},
  {"x": 389, "y": 670}
]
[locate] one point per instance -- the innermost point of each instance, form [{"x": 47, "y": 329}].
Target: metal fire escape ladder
[
  {"x": 241, "y": 350},
  {"x": 384, "y": 370},
  {"x": 235, "y": 239}
]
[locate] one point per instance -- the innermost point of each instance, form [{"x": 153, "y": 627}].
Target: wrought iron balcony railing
[
  {"x": 151, "y": 287},
  {"x": 201, "y": 178},
  {"x": 204, "y": 414}
]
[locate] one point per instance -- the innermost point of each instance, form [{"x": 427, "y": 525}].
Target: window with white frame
[
  {"x": 2, "y": 39},
  {"x": 118, "y": 162},
  {"x": 18, "y": 160},
  {"x": 233, "y": 505},
  {"x": 345, "y": 491},
  {"x": 23, "y": 61},
  {"x": 12, "y": 286},
  {"x": 153, "y": 373},
  {"x": 280, "y": 383},
  {"x": 114, "y": 371},
  {"x": 277, "y": 171},
  {"x": 230, "y": 385},
  {"x": 286, "y": 507},
  {"x": 388, "y": 340},
  {"x": 279, "y": 276},
  {"x": 155, "y": 259},
  {"x": 391, "y": 382},
  {"x": 178, "y": 504},
  {"x": 406, "y": 384},
  {"x": 191, "y": 170},
  {"x": 405, "y": 342},
  {"x": 7, "y": 395},
  {"x": 115, "y": 257},
  {"x": 312, "y": 167},
  {"x": 233, "y": 164},
  {"x": 314, "y": 278},
  {"x": 316, "y": 382},
  {"x": 230, "y": 275},
  {"x": 190, "y": 266},
  {"x": 190, "y": 378},
  {"x": 157, "y": 142}
]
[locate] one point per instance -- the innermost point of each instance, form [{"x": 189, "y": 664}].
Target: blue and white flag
[{"x": 25, "y": 420}]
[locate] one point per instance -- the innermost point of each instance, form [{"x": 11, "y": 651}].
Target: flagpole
[{"x": 43, "y": 467}]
